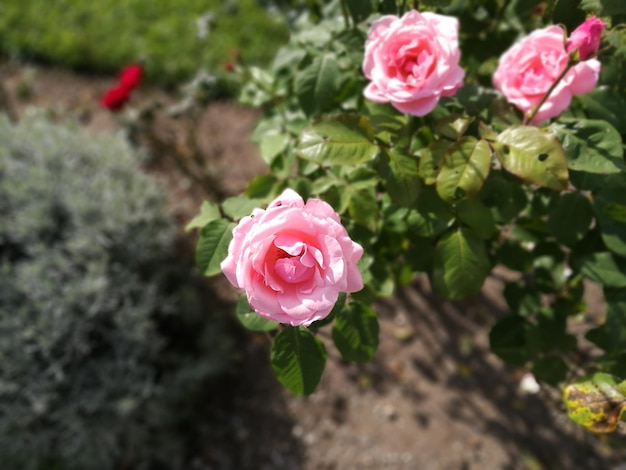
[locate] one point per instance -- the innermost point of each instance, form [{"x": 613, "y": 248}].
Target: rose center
[
  {"x": 414, "y": 61},
  {"x": 292, "y": 270}
]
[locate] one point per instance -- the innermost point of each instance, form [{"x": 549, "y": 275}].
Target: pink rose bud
[
  {"x": 412, "y": 61},
  {"x": 293, "y": 259},
  {"x": 528, "y": 69},
  {"x": 586, "y": 38}
]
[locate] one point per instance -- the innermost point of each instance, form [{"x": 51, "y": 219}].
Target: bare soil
[{"x": 433, "y": 398}]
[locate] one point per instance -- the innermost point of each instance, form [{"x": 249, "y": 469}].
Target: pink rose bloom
[
  {"x": 293, "y": 259},
  {"x": 586, "y": 38},
  {"x": 412, "y": 61},
  {"x": 529, "y": 68}
]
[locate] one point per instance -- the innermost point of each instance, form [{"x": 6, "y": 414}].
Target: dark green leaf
[
  {"x": 461, "y": 264},
  {"x": 604, "y": 269},
  {"x": 403, "y": 181},
  {"x": 430, "y": 160},
  {"x": 609, "y": 206},
  {"x": 590, "y": 145},
  {"x": 550, "y": 369},
  {"x": 507, "y": 340},
  {"x": 298, "y": 359},
  {"x": 611, "y": 335},
  {"x": 355, "y": 333},
  {"x": 339, "y": 140},
  {"x": 569, "y": 219},
  {"x": 477, "y": 216},
  {"x": 212, "y": 246},
  {"x": 505, "y": 198},
  {"x": 318, "y": 84},
  {"x": 252, "y": 320}
]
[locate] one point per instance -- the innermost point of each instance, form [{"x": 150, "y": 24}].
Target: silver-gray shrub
[{"x": 88, "y": 279}]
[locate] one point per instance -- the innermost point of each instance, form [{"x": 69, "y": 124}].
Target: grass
[{"x": 102, "y": 36}]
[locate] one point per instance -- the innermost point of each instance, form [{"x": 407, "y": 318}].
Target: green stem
[
  {"x": 535, "y": 110},
  {"x": 346, "y": 13},
  {"x": 416, "y": 5}
]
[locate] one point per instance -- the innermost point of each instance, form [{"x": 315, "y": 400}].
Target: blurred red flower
[
  {"x": 116, "y": 97},
  {"x": 131, "y": 76}
]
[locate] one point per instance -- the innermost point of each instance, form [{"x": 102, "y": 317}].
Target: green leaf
[
  {"x": 522, "y": 299},
  {"x": 272, "y": 145},
  {"x": 606, "y": 105},
  {"x": 363, "y": 208},
  {"x": 596, "y": 402},
  {"x": 604, "y": 7},
  {"x": 550, "y": 369},
  {"x": 505, "y": 198},
  {"x": 453, "y": 127},
  {"x": 461, "y": 264},
  {"x": 533, "y": 155},
  {"x": 477, "y": 216},
  {"x": 590, "y": 145},
  {"x": 355, "y": 333},
  {"x": 507, "y": 340},
  {"x": 402, "y": 177},
  {"x": 430, "y": 160},
  {"x": 611, "y": 335},
  {"x": 252, "y": 320},
  {"x": 212, "y": 246},
  {"x": 298, "y": 359},
  {"x": 609, "y": 206},
  {"x": 360, "y": 9},
  {"x": 604, "y": 269},
  {"x": 464, "y": 169},
  {"x": 208, "y": 211},
  {"x": 238, "y": 207},
  {"x": 318, "y": 84},
  {"x": 339, "y": 140},
  {"x": 570, "y": 218}
]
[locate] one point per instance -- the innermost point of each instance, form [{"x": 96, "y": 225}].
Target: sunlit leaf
[
  {"x": 604, "y": 269},
  {"x": 212, "y": 246},
  {"x": 208, "y": 211},
  {"x": 464, "y": 168},
  {"x": 596, "y": 402},
  {"x": 534, "y": 155},
  {"x": 339, "y": 140},
  {"x": 238, "y": 207}
]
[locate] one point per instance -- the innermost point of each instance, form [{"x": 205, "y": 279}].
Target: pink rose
[
  {"x": 412, "y": 61},
  {"x": 586, "y": 38},
  {"x": 529, "y": 68},
  {"x": 293, "y": 259}
]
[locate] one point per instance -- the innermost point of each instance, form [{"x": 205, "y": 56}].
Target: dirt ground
[{"x": 433, "y": 398}]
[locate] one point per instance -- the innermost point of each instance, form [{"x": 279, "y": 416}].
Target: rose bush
[
  {"x": 293, "y": 259},
  {"x": 530, "y": 67},
  {"x": 412, "y": 61}
]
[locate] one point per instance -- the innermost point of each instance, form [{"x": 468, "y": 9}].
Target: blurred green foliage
[{"x": 103, "y": 36}]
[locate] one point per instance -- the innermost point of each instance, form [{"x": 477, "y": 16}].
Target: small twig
[{"x": 535, "y": 110}]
